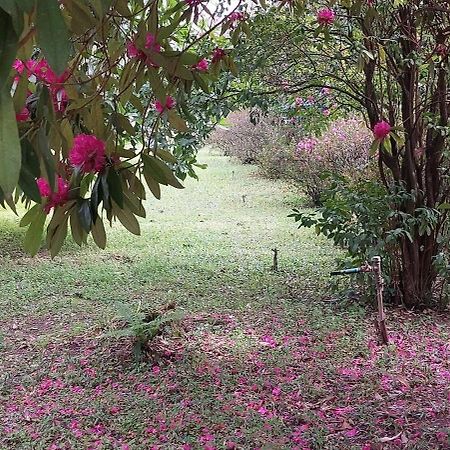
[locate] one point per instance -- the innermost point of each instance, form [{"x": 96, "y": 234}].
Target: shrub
[
  {"x": 275, "y": 146},
  {"x": 361, "y": 218},
  {"x": 343, "y": 150},
  {"x": 245, "y": 136}
]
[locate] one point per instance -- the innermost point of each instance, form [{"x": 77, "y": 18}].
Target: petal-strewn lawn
[{"x": 258, "y": 360}]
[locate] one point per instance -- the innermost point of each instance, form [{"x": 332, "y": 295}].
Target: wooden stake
[
  {"x": 381, "y": 322},
  {"x": 275, "y": 260}
]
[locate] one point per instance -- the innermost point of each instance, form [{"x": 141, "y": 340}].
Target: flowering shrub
[
  {"x": 343, "y": 149},
  {"x": 243, "y": 139}
]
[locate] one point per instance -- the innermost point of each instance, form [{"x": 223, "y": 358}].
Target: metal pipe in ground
[{"x": 379, "y": 285}]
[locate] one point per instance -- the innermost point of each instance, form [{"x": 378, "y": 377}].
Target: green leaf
[
  {"x": 47, "y": 157},
  {"x": 121, "y": 7},
  {"x": 115, "y": 187},
  {"x": 78, "y": 233},
  {"x": 82, "y": 17},
  {"x": 99, "y": 233},
  {"x": 166, "y": 156},
  {"x": 52, "y": 34},
  {"x": 157, "y": 85},
  {"x": 398, "y": 139},
  {"x": 58, "y": 237},
  {"x": 176, "y": 121},
  {"x": 8, "y": 46},
  {"x": 152, "y": 183},
  {"x": 444, "y": 206},
  {"x": 10, "y": 151},
  {"x": 160, "y": 172},
  {"x": 26, "y": 5},
  {"x": 84, "y": 215},
  {"x": 30, "y": 216},
  {"x": 102, "y": 6},
  {"x": 21, "y": 92},
  {"x": 33, "y": 237},
  {"x": 387, "y": 145},
  {"x": 128, "y": 220},
  {"x": 374, "y": 147},
  {"x": 201, "y": 81},
  {"x": 27, "y": 183}
]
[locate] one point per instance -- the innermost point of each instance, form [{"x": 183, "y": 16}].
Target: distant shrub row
[{"x": 280, "y": 152}]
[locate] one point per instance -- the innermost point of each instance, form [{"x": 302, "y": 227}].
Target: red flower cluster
[
  {"x": 39, "y": 70},
  {"x": 170, "y": 104},
  {"x": 202, "y": 65},
  {"x": 217, "y": 55},
  {"x": 325, "y": 17},
  {"x": 381, "y": 130},
  {"x": 150, "y": 44},
  {"x": 88, "y": 153},
  {"x": 54, "y": 199}
]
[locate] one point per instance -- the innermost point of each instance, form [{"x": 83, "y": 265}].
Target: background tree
[{"x": 389, "y": 60}]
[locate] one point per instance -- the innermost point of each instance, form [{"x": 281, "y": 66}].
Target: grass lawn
[{"x": 258, "y": 361}]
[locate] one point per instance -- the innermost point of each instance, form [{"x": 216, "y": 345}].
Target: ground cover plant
[{"x": 256, "y": 361}]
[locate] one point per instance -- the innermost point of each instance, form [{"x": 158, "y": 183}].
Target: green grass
[
  {"x": 258, "y": 361},
  {"x": 208, "y": 245}
]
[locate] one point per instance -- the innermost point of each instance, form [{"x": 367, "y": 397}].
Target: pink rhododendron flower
[
  {"x": 24, "y": 115},
  {"x": 52, "y": 79},
  {"x": 269, "y": 340},
  {"x": 353, "y": 373},
  {"x": 217, "y": 55},
  {"x": 88, "y": 153},
  {"x": 44, "y": 187},
  {"x": 306, "y": 145},
  {"x": 151, "y": 44},
  {"x": 381, "y": 130},
  {"x": 326, "y": 91},
  {"x": 299, "y": 101},
  {"x": 37, "y": 68},
  {"x": 202, "y": 65},
  {"x": 325, "y": 16},
  {"x": 236, "y": 17},
  {"x": 170, "y": 104},
  {"x": 42, "y": 71},
  {"x": 19, "y": 66},
  {"x": 54, "y": 199},
  {"x": 206, "y": 437},
  {"x": 326, "y": 112},
  {"x": 276, "y": 391},
  {"x": 133, "y": 51}
]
